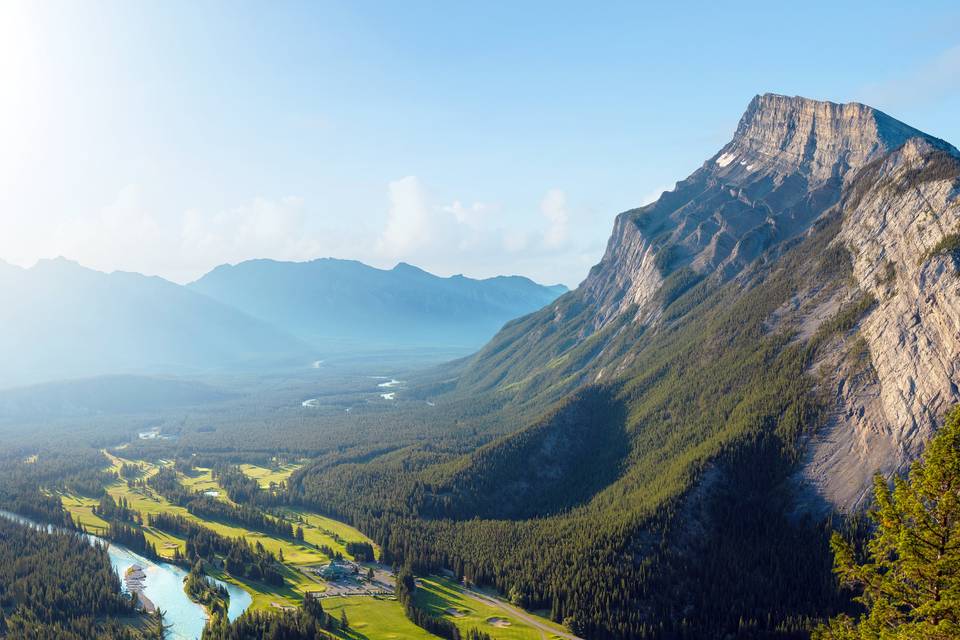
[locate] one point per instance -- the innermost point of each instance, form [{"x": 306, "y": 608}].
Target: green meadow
[
  {"x": 371, "y": 618},
  {"x": 444, "y": 598},
  {"x": 265, "y": 477},
  {"x": 318, "y": 531},
  {"x": 375, "y": 619}
]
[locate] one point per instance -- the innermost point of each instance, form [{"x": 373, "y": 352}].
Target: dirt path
[{"x": 546, "y": 631}]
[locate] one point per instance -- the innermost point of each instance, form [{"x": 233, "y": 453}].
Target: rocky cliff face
[
  {"x": 780, "y": 136},
  {"x": 787, "y": 163},
  {"x": 792, "y": 162},
  {"x": 895, "y": 222}
]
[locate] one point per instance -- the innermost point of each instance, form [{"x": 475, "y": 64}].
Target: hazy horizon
[{"x": 151, "y": 138}]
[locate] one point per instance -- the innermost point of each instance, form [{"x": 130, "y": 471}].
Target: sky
[{"x": 478, "y": 138}]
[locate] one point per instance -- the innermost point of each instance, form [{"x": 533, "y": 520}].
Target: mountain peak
[{"x": 780, "y": 135}]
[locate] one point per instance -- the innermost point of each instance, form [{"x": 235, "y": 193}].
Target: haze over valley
[{"x": 550, "y": 325}]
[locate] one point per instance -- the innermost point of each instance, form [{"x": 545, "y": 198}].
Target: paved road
[{"x": 546, "y": 631}]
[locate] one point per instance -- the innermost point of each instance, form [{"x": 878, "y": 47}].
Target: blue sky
[{"x": 476, "y": 138}]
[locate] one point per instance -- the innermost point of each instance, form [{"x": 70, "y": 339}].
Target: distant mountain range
[
  {"x": 352, "y": 305},
  {"x": 61, "y": 320}
]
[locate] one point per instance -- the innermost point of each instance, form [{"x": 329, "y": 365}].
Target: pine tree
[
  {"x": 344, "y": 624},
  {"x": 158, "y": 625},
  {"x": 910, "y": 578}
]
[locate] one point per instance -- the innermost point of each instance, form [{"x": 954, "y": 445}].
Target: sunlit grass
[
  {"x": 318, "y": 531},
  {"x": 265, "y": 476},
  {"x": 374, "y": 619},
  {"x": 444, "y": 598}
]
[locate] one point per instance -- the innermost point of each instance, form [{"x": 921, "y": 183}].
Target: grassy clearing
[
  {"x": 444, "y": 598},
  {"x": 265, "y": 476},
  {"x": 81, "y": 509},
  {"x": 320, "y": 530},
  {"x": 201, "y": 479},
  {"x": 375, "y": 619},
  {"x": 370, "y": 618},
  {"x": 146, "y": 502}
]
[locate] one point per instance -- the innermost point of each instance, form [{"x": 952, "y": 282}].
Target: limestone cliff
[
  {"x": 895, "y": 221},
  {"x": 786, "y": 164}
]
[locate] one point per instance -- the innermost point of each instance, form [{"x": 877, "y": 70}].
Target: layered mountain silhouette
[
  {"x": 62, "y": 320},
  {"x": 349, "y": 305}
]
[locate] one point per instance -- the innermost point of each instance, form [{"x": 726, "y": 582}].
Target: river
[{"x": 163, "y": 586}]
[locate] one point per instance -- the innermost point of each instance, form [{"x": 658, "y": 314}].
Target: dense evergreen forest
[
  {"x": 58, "y": 585},
  {"x": 310, "y": 622},
  {"x": 586, "y": 510},
  {"x": 657, "y": 503},
  {"x": 717, "y": 401}
]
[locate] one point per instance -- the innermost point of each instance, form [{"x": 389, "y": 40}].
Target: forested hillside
[
  {"x": 662, "y": 453},
  {"x": 721, "y": 322},
  {"x": 58, "y": 585}
]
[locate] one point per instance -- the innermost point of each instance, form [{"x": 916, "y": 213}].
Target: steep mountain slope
[
  {"x": 786, "y": 165},
  {"x": 65, "y": 321},
  {"x": 900, "y": 225},
  {"x": 347, "y": 304},
  {"x": 764, "y": 337}
]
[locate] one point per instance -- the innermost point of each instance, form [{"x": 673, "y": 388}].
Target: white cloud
[
  {"x": 472, "y": 215},
  {"x": 128, "y": 235},
  {"x": 262, "y": 228},
  {"x": 554, "y": 209},
  {"x": 409, "y": 220},
  {"x": 485, "y": 239},
  {"x": 122, "y": 235},
  {"x": 551, "y": 242}
]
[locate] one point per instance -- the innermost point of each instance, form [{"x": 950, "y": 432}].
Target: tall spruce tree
[{"x": 909, "y": 572}]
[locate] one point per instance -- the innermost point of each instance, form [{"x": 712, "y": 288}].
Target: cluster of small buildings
[
  {"x": 338, "y": 570},
  {"x": 134, "y": 578}
]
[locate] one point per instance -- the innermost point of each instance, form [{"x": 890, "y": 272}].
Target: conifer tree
[{"x": 909, "y": 579}]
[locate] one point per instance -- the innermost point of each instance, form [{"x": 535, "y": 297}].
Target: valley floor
[{"x": 370, "y": 606}]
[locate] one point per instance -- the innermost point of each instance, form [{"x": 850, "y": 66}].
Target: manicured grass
[
  {"x": 320, "y": 530},
  {"x": 201, "y": 479},
  {"x": 442, "y": 597},
  {"x": 265, "y": 476},
  {"x": 147, "y": 502},
  {"x": 374, "y": 619},
  {"x": 81, "y": 509},
  {"x": 370, "y": 618},
  {"x": 265, "y": 595}
]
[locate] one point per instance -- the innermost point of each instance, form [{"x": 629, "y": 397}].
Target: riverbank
[
  {"x": 162, "y": 586},
  {"x": 145, "y": 602}
]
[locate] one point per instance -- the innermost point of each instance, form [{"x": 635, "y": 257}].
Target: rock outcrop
[
  {"x": 786, "y": 164},
  {"x": 791, "y": 162},
  {"x": 896, "y": 218}
]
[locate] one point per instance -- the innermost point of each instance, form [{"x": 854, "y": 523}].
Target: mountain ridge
[
  {"x": 770, "y": 337},
  {"x": 69, "y": 321},
  {"x": 330, "y": 302},
  {"x": 725, "y": 214}
]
